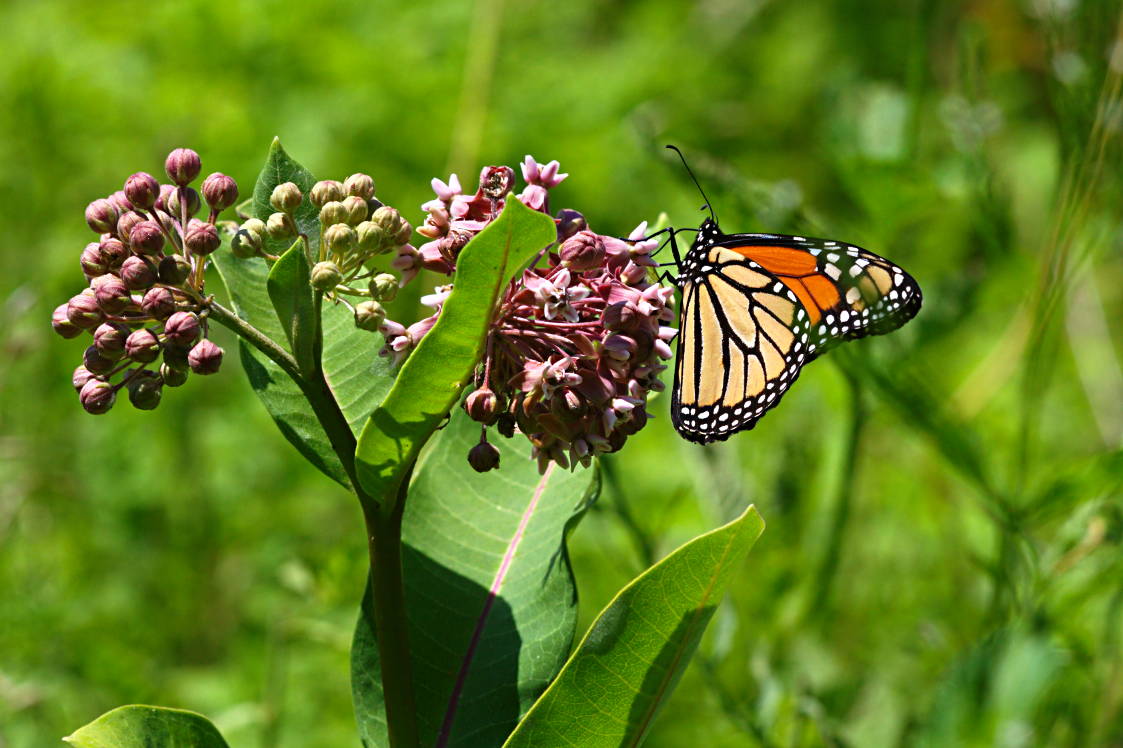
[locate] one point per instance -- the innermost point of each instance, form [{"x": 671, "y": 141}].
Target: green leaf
[
  {"x": 358, "y": 378},
  {"x": 611, "y": 689},
  {"x": 139, "y": 726},
  {"x": 290, "y": 290},
  {"x": 465, "y": 535},
  {"x": 280, "y": 168},
  {"x": 431, "y": 379}
]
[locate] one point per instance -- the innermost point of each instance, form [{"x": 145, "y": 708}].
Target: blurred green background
[{"x": 942, "y": 563}]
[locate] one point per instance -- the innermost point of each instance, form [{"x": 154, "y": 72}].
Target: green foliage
[
  {"x": 936, "y": 134},
  {"x": 431, "y": 379},
  {"x": 295, "y": 304},
  {"x": 148, "y": 727},
  {"x": 490, "y": 589},
  {"x": 614, "y": 685}
]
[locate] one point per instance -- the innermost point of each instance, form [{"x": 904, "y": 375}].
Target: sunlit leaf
[{"x": 140, "y": 726}]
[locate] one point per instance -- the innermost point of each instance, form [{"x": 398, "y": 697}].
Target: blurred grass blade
[
  {"x": 613, "y": 686},
  {"x": 492, "y": 601},
  {"x": 139, "y": 726},
  {"x": 290, "y": 290},
  {"x": 358, "y": 378},
  {"x": 431, "y": 379}
]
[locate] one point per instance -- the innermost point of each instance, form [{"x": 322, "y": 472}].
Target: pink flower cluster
[
  {"x": 578, "y": 341},
  {"x": 145, "y": 296}
]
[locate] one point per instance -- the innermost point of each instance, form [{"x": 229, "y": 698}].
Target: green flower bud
[
  {"x": 145, "y": 389},
  {"x": 404, "y": 233},
  {"x": 174, "y": 270},
  {"x": 97, "y": 362},
  {"x": 192, "y": 200},
  {"x": 326, "y": 191},
  {"x": 176, "y": 358},
  {"x": 371, "y": 238},
  {"x": 332, "y": 213},
  {"x": 247, "y": 242},
  {"x": 383, "y": 287},
  {"x": 369, "y": 315},
  {"x": 326, "y": 276},
  {"x": 389, "y": 219},
  {"x": 340, "y": 239},
  {"x": 356, "y": 208},
  {"x": 174, "y": 377},
  {"x": 286, "y": 197},
  {"x": 359, "y": 185},
  {"x": 280, "y": 226}
]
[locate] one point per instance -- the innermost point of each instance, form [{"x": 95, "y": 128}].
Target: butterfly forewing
[{"x": 757, "y": 307}]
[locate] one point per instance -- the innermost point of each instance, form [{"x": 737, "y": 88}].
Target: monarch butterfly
[{"x": 757, "y": 308}]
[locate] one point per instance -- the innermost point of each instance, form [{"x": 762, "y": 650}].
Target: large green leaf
[
  {"x": 431, "y": 379},
  {"x": 611, "y": 689},
  {"x": 290, "y": 290},
  {"x": 357, "y": 377},
  {"x": 491, "y": 599},
  {"x": 140, "y": 726}
]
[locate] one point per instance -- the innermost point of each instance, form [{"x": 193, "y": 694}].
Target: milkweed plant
[{"x": 469, "y": 436}]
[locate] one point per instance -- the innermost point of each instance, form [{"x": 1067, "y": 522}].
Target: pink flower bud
[
  {"x": 359, "y": 185},
  {"x": 137, "y": 273},
  {"x": 583, "y": 251},
  {"x": 94, "y": 361},
  {"x": 101, "y": 216},
  {"x": 205, "y": 357},
  {"x": 183, "y": 166},
  {"x": 127, "y": 222},
  {"x": 201, "y": 238},
  {"x": 482, "y": 406},
  {"x": 113, "y": 252},
  {"x": 80, "y": 377},
  {"x": 483, "y": 457},
  {"x": 142, "y": 346},
  {"x": 569, "y": 223},
  {"x": 182, "y": 329},
  {"x": 109, "y": 338},
  {"x": 146, "y": 238},
  {"x": 93, "y": 264},
  {"x": 142, "y": 190},
  {"x": 97, "y": 397},
  {"x": 166, "y": 192},
  {"x": 62, "y": 324},
  {"x": 159, "y": 303},
  {"x": 83, "y": 311},
  {"x": 220, "y": 191},
  {"x": 119, "y": 201}
]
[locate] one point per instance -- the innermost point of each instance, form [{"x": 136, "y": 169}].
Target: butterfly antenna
[{"x": 697, "y": 184}]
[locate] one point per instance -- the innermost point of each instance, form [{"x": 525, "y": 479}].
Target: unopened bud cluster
[
  {"x": 145, "y": 303},
  {"x": 578, "y": 340}
]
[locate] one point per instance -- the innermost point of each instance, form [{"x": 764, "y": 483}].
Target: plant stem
[{"x": 383, "y": 524}]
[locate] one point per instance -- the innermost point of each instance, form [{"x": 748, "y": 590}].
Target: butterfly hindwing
[{"x": 758, "y": 307}]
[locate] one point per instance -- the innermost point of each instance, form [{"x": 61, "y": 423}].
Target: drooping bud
[
  {"x": 83, "y": 310},
  {"x": 93, "y": 360},
  {"x": 127, "y": 222},
  {"x": 383, "y": 287},
  {"x": 356, "y": 208},
  {"x": 220, "y": 191},
  {"x": 369, "y": 315},
  {"x": 101, "y": 216},
  {"x": 326, "y": 276},
  {"x": 359, "y": 185},
  {"x": 146, "y": 238},
  {"x": 286, "y": 197},
  {"x": 280, "y": 226},
  {"x": 159, "y": 303},
  {"x": 142, "y": 190},
  {"x": 80, "y": 377},
  {"x": 247, "y": 242},
  {"x": 482, "y": 406},
  {"x": 97, "y": 397},
  {"x": 145, "y": 389},
  {"x": 93, "y": 264},
  {"x": 62, "y": 324},
  {"x": 174, "y": 270},
  {"x": 112, "y": 294},
  {"x": 201, "y": 238},
  {"x": 138, "y": 274},
  {"x": 340, "y": 239},
  {"x": 183, "y": 166},
  {"x": 142, "y": 346},
  {"x": 205, "y": 357},
  {"x": 190, "y": 198},
  {"x": 332, "y": 213},
  {"x": 326, "y": 191},
  {"x": 583, "y": 251},
  {"x": 182, "y": 329},
  {"x": 113, "y": 252},
  {"x": 484, "y": 456},
  {"x": 109, "y": 337},
  {"x": 173, "y": 377}
]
